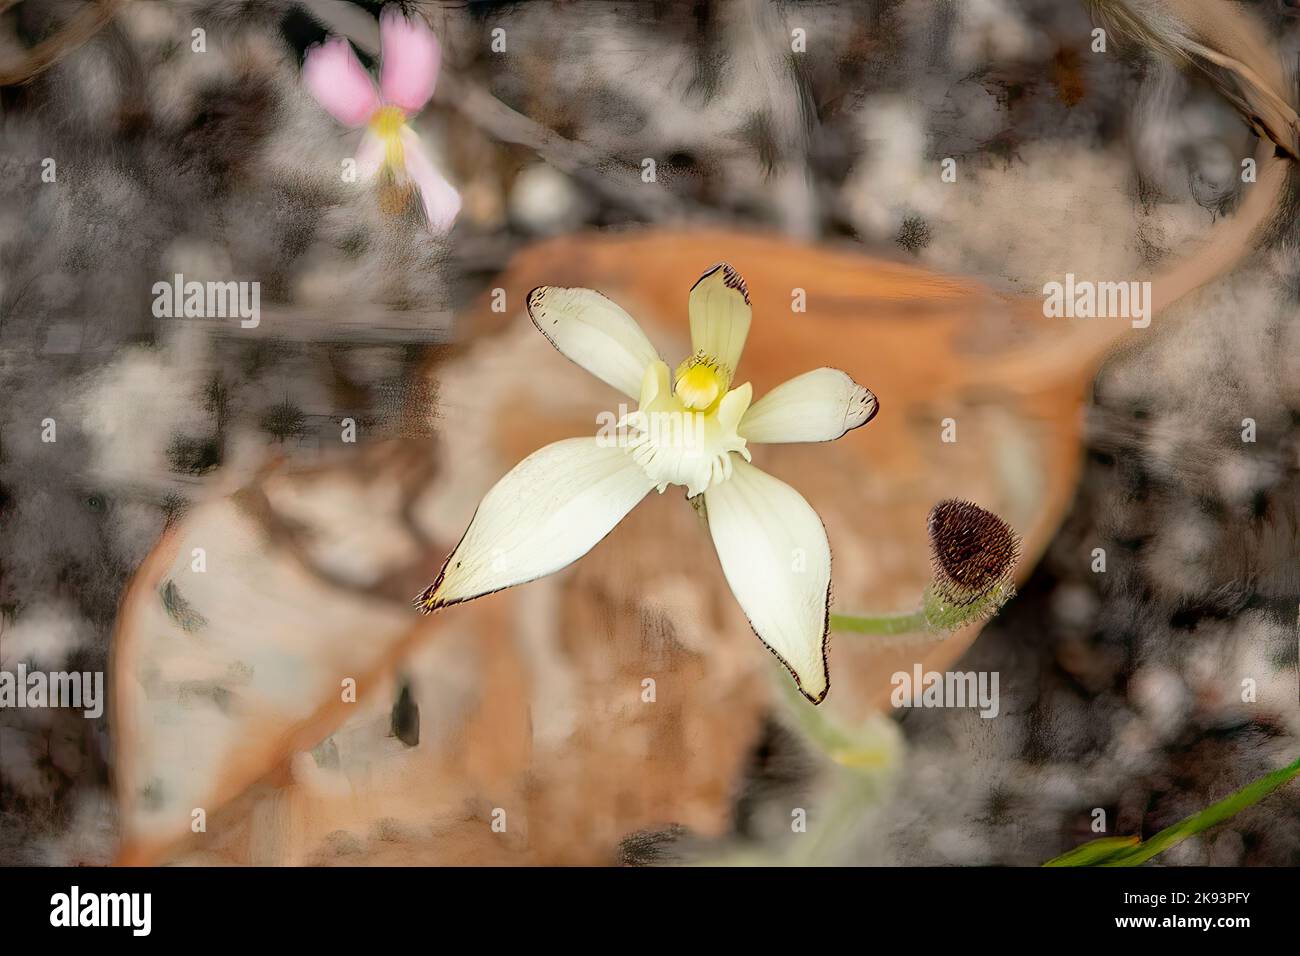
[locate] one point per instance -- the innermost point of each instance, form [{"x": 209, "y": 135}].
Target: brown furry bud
[{"x": 974, "y": 553}]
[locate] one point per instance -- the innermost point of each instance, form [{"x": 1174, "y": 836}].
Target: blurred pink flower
[{"x": 408, "y": 71}]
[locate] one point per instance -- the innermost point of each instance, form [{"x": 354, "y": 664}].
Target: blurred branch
[
  {"x": 80, "y": 28},
  {"x": 766, "y": 32},
  {"x": 605, "y": 173},
  {"x": 1229, "y": 49}
]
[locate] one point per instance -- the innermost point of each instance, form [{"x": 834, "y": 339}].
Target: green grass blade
[
  {"x": 1095, "y": 851},
  {"x": 1108, "y": 851}
]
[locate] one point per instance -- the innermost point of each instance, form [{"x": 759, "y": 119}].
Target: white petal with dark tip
[
  {"x": 776, "y": 558},
  {"x": 548, "y": 511},
  {"x": 820, "y": 405},
  {"x": 720, "y": 315},
  {"x": 595, "y": 333}
]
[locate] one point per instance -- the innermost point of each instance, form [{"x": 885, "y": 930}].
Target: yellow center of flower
[
  {"x": 387, "y": 124},
  {"x": 701, "y": 381},
  {"x": 685, "y": 435}
]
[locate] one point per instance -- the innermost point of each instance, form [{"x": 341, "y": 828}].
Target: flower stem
[
  {"x": 836, "y": 821},
  {"x": 903, "y": 623},
  {"x": 862, "y": 762}
]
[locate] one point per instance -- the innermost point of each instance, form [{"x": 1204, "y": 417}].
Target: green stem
[
  {"x": 835, "y": 821},
  {"x": 906, "y": 622},
  {"x": 862, "y": 761},
  {"x": 811, "y": 720}
]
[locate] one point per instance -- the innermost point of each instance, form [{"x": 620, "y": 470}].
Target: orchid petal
[
  {"x": 720, "y": 316},
  {"x": 410, "y": 60},
  {"x": 820, "y": 405},
  {"x": 369, "y": 156},
  {"x": 548, "y": 511},
  {"x": 440, "y": 199},
  {"x": 335, "y": 77},
  {"x": 776, "y": 558},
  {"x": 592, "y": 331}
]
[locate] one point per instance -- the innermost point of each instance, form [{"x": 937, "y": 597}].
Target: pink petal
[
  {"x": 335, "y": 77},
  {"x": 410, "y": 60},
  {"x": 440, "y": 199},
  {"x": 369, "y": 156}
]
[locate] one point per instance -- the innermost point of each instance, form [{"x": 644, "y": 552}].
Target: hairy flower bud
[{"x": 974, "y": 553}]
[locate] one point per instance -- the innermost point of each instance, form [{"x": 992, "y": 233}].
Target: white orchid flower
[{"x": 690, "y": 429}]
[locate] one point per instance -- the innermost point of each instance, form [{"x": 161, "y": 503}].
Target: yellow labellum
[
  {"x": 701, "y": 381},
  {"x": 387, "y": 124}
]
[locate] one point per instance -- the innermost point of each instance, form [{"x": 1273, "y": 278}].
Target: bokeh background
[{"x": 1119, "y": 690}]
